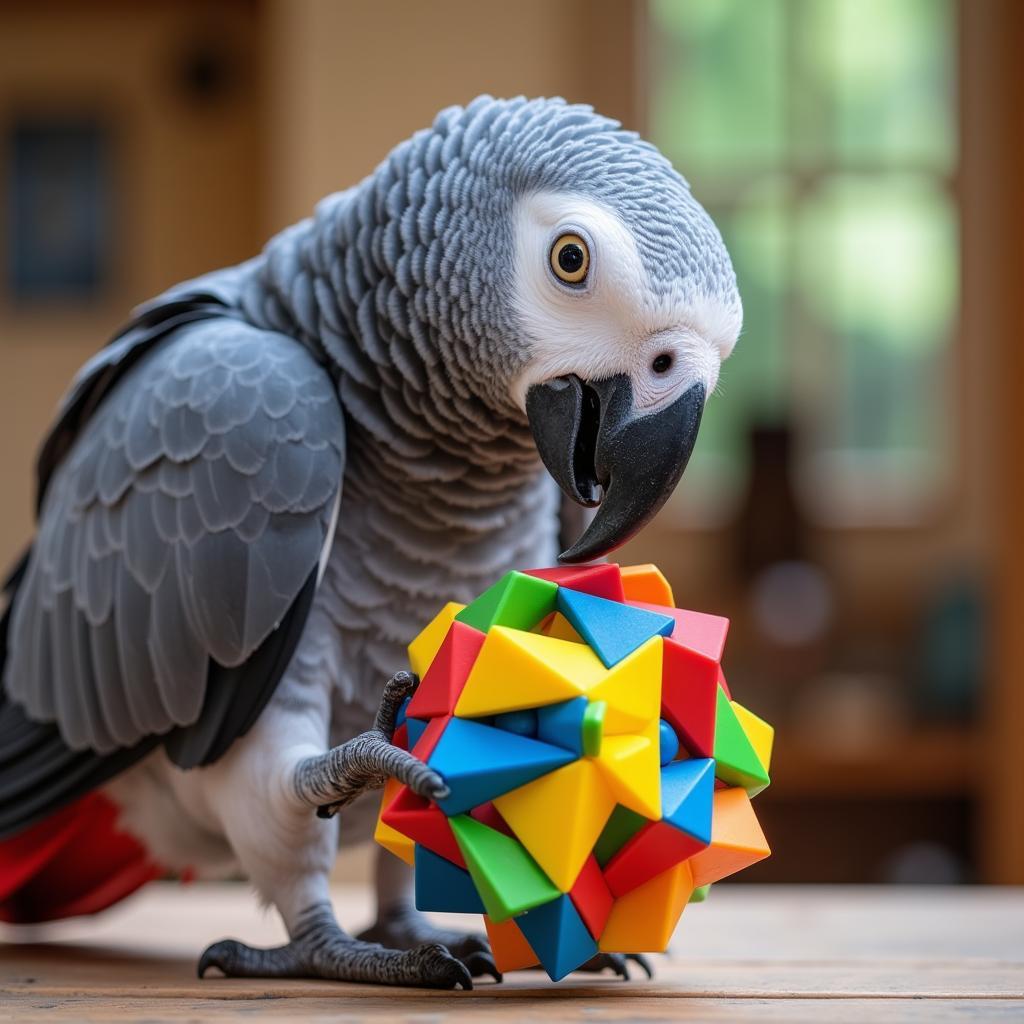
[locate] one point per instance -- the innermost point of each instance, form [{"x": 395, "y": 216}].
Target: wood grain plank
[
  {"x": 322, "y": 1010},
  {"x": 771, "y": 952}
]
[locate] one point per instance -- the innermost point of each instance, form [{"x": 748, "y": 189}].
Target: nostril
[{"x": 662, "y": 363}]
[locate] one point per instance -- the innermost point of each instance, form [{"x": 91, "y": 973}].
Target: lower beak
[{"x": 592, "y": 440}]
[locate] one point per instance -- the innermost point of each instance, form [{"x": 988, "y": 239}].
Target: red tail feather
[{"x": 74, "y": 862}]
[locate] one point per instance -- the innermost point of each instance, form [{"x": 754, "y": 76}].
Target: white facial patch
[{"x": 614, "y": 323}]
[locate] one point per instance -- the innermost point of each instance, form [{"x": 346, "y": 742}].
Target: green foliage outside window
[{"x": 821, "y": 135}]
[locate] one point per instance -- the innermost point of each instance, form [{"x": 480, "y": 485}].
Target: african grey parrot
[{"x": 268, "y": 483}]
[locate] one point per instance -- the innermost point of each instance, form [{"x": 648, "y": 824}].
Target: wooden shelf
[{"x": 933, "y": 762}]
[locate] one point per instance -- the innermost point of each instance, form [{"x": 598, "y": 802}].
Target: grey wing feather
[{"x": 179, "y": 528}]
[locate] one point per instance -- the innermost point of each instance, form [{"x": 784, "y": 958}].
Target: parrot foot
[
  {"x": 321, "y": 949},
  {"x": 401, "y": 926},
  {"x": 330, "y": 781},
  {"x": 619, "y": 963}
]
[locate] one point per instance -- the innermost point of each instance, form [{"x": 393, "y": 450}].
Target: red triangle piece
[
  {"x": 400, "y": 738},
  {"x": 591, "y": 897},
  {"x": 488, "y": 815},
  {"x": 689, "y": 696},
  {"x": 702, "y": 633},
  {"x": 599, "y": 580},
  {"x": 442, "y": 683},
  {"x": 426, "y": 743},
  {"x": 723, "y": 684},
  {"x": 657, "y": 847},
  {"x": 424, "y": 823}
]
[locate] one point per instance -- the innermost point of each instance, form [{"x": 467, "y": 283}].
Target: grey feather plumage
[
  {"x": 180, "y": 527},
  {"x": 368, "y": 349}
]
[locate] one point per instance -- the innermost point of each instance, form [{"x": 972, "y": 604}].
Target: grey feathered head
[{"x": 545, "y": 261}]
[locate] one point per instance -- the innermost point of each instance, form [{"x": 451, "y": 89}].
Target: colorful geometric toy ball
[{"x": 600, "y": 773}]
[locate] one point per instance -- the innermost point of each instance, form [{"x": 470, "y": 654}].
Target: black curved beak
[{"x": 591, "y": 440}]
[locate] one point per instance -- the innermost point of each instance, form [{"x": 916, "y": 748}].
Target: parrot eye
[{"x": 570, "y": 259}]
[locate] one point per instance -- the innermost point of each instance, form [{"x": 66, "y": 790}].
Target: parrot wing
[{"x": 187, "y": 501}]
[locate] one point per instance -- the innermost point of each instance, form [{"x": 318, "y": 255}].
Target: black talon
[
  {"x": 450, "y": 972},
  {"x": 481, "y": 963},
  {"x": 644, "y": 964},
  {"x": 211, "y": 957},
  {"x": 618, "y": 963}
]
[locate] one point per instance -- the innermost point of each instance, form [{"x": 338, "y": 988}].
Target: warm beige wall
[
  {"x": 187, "y": 189},
  {"x": 348, "y": 80}
]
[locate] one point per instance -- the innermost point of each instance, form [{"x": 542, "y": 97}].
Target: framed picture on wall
[{"x": 59, "y": 208}]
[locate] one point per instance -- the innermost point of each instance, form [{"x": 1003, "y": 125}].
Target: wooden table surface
[{"x": 749, "y": 953}]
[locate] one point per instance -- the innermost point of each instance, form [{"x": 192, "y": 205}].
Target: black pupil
[
  {"x": 570, "y": 258},
  {"x": 661, "y": 363}
]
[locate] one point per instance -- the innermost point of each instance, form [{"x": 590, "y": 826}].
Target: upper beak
[{"x": 590, "y": 436}]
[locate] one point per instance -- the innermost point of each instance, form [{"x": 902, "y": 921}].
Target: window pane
[
  {"x": 821, "y": 135},
  {"x": 879, "y": 80},
  {"x": 718, "y": 78},
  {"x": 753, "y": 386},
  {"x": 58, "y": 205},
  {"x": 878, "y": 291}
]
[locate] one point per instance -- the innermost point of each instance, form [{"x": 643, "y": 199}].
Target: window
[
  {"x": 58, "y": 209},
  {"x": 821, "y": 136}
]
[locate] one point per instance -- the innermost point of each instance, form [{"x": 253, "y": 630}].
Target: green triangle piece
[
  {"x": 505, "y": 875},
  {"x": 593, "y": 727},
  {"x": 736, "y": 761},
  {"x": 622, "y": 825},
  {"x": 516, "y": 600},
  {"x": 700, "y": 894}
]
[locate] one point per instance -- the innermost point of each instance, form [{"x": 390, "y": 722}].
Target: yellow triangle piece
[
  {"x": 391, "y": 839},
  {"x": 516, "y": 670},
  {"x": 759, "y": 732},
  {"x": 430, "y": 638},
  {"x": 632, "y": 690},
  {"x": 632, "y": 769},
  {"x": 559, "y": 627},
  {"x": 643, "y": 920},
  {"x": 559, "y": 817}
]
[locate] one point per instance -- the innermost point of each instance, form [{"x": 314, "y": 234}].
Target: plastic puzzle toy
[{"x": 600, "y": 775}]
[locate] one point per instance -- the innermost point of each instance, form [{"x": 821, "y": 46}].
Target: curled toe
[
  {"x": 482, "y": 963},
  {"x": 435, "y": 967}
]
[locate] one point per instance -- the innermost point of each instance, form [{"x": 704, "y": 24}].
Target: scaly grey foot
[
  {"x": 402, "y": 926},
  {"x": 319, "y": 948},
  {"x": 331, "y": 780}
]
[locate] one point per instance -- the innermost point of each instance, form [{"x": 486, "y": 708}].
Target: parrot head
[
  {"x": 629, "y": 302},
  {"x": 579, "y": 282},
  {"x": 625, "y": 299}
]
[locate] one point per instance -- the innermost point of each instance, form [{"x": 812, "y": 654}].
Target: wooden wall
[
  {"x": 994, "y": 278},
  {"x": 347, "y": 81},
  {"x": 187, "y": 180}
]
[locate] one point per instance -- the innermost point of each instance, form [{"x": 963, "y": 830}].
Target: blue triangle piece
[
  {"x": 562, "y": 724},
  {"x": 401, "y": 716},
  {"x": 687, "y": 792},
  {"x": 443, "y": 887},
  {"x": 522, "y": 723},
  {"x": 612, "y": 629},
  {"x": 480, "y": 762},
  {"x": 557, "y": 935},
  {"x": 416, "y": 728}
]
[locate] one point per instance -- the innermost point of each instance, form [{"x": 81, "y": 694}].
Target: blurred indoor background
[{"x": 857, "y": 496}]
